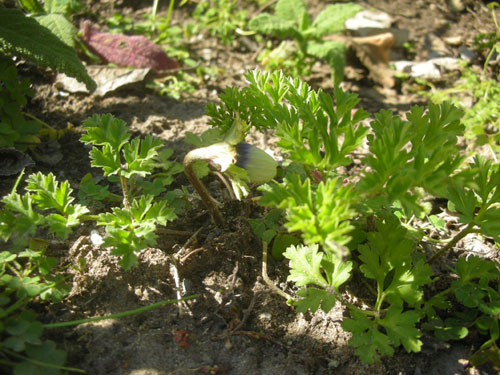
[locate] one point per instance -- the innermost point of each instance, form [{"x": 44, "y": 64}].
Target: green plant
[
  {"x": 54, "y": 15},
  {"x": 15, "y": 130},
  {"x": 39, "y": 44},
  {"x": 481, "y": 118},
  {"x": 359, "y": 225},
  {"x": 48, "y": 209},
  {"x": 220, "y": 18},
  {"x": 291, "y": 20},
  {"x": 132, "y": 227},
  {"x": 28, "y": 274}
]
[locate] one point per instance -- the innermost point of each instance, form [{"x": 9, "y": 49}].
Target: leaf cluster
[
  {"x": 292, "y": 20},
  {"x": 362, "y": 221},
  {"x": 27, "y": 273},
  {"x": 39, "y": 44},
  {"x": 15, "y": 130},
  {"x": 220, "y": 18},
  {"x": 132, "y": 227}
]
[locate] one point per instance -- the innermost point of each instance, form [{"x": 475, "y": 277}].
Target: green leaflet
[{"x": 320, "y": 212}]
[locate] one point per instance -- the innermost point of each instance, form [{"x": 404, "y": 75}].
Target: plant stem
[
  {"x": 268, "y": 281},
  {"x": 29, "y": 115},
  {"x": 119, "y": 315},
  {"x": 189, "y": 161},
  {"x": 43, "y": 364},
  {"x": 468, "y": 229},
  {"x": 126, "y": 198},
  {"x": 169, "y": 13}
]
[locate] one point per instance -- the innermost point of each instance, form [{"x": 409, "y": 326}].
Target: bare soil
[{"x": 236, "y": 325}]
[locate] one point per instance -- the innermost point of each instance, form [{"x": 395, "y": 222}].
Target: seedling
[{"x": 241, "y": 162}]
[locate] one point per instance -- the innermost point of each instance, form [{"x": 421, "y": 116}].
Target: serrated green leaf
[
  {"x": 139, "y": 156},
  {"x": 105, "y": 130},
  {"x": 400, "y": 327},
  {"x": 312, "y": 298},
  {"x": 291, "y": 10},
  {"x": 321, "y": 212},
  {"x": 332, "y": 19},
  {"x": 305, "y": 265},
  {"x": 369, "y": 342},
  {"x": 107, "y": 159},
  {"x": 47, "y": 353},
  {"x": 48, "y": 194},
  {"x": 473, "y": 267},
  {"x": 337, "y": 270},
  {"x": 266, "y": 23},
  {"x": 39, "y": 44},
  {"x": 469, "y": 294},
  {"x": 90, "y": 192},
  {"x": 60, "y": 27}
]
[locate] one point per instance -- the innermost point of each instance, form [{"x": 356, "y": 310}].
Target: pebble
[
  {"x": 368, "y": 19},
  {"x": 430, "y": 70}
]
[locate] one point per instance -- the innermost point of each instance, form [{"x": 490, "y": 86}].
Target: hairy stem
[
  {"x": 468, "y": 229},
  {"x": 189, "y": 160},
  {"x": 126, "y": 197},
  {"x": 268, "y": 281}
]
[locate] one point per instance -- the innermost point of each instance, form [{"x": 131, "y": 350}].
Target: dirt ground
[{"x": 236, "y": 325}]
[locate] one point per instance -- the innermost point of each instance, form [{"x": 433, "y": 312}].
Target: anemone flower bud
[
  {"x": 260, "y": 166},
  {"x": 220, "y": 154}
]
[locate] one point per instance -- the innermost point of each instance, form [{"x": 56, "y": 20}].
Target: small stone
[
  {"x": 333, "y": 363},
  {"x": 425, "y": 70},
  {"x": 368, "y": 19},
  {"x": 455, "y": 40},
  {"x": 467, "y": 54},
  {"x": 96, "y": 238}
]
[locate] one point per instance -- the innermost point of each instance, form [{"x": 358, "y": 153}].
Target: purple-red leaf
[{"x": 135, "y": 51}]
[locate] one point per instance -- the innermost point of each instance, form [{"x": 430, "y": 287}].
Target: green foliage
[
  {"x": 477, "y": 203},
  {"x": 291, "y": 20},
  {"x": 482, "y": 118},
  {"x": 54, "y": 15},
  {"x": 220, "y": 18},
  {"x": 15, "y": 130},
  {"x": 321, "y": 212},
  {"x": 419, "y": 153},
  {"x": 39, "y": 44},
  {"x": 130, "y": 228},
  {"x": 27, "y": 273},
  {"x": 363, "y": 221}
]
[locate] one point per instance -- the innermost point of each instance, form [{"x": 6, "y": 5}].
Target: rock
[
  {"x": 454, "y": 40},
  {"x": 368, "y": 19},
  {"x": 373, "y": 52},
  {"x": 425, "y": 70},
  {"x": 436, "y": 47},
  {"x": 13, "y": 161},
  {"x": 368, "y": 23},
  {"x": 467, "y": 54},
  {"x": 431, "y": 70}
]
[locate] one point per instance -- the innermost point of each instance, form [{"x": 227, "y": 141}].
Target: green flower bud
[{"x": 260, "y": 166}]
